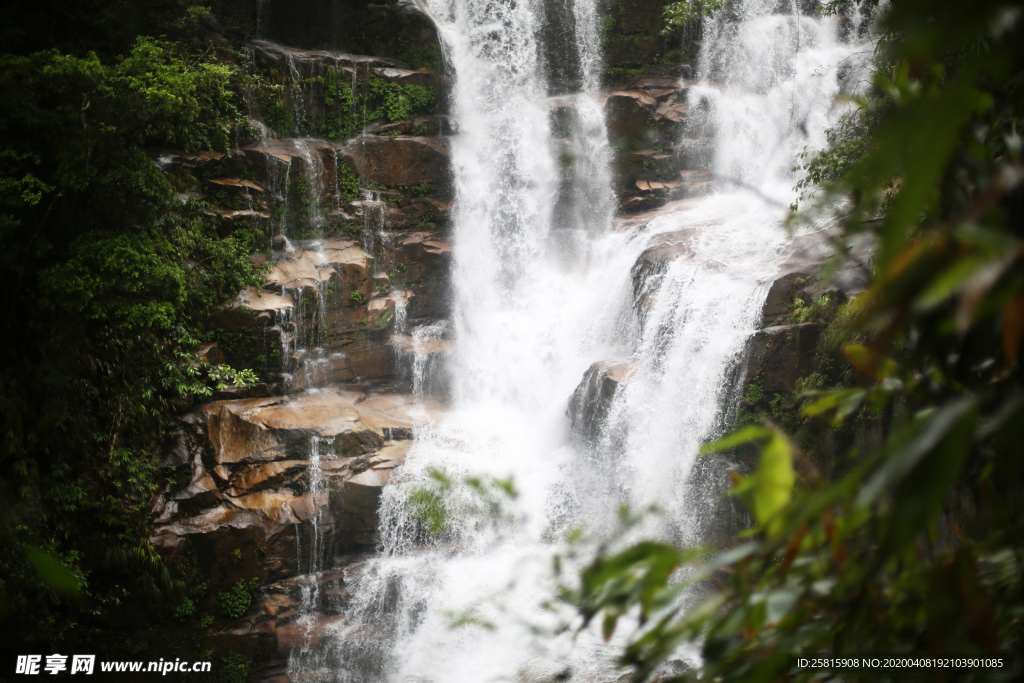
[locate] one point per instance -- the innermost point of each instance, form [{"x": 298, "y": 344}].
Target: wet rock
[
  {"x": 418, "y": 126},
  {"x": 355, "y": 503},
  {"x": 628, "y": 114},
  {"x": 214, "y": 536},
  {"x": 778, "y": 356},
  {"x": 267, "y": 429},
  {"x": 199, "y": 493},
  {"x": 401, "y": 160},
  {"x": 342, "y": 258},
  {"x": 313, "y": 62},
  {"x": 231, "y": 220},
  {"x": 778, "y": 304},
  {"x": 419, "y": 262},
  {"x": 232, "y": 392},
  {"x": 248, "y": 638},
  {"x": 650, "y": 266},
  {"x": 592, "y": 399},
  {"x": 259, "y": 502}
]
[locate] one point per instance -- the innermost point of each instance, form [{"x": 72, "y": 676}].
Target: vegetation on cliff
[
  {"x": 915, "y": 548},
  {"x": 108, "y": 279}
]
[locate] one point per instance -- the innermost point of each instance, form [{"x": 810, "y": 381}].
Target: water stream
[{"x": 540, "y": 294}]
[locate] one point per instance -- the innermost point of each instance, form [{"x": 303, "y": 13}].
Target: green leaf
[
  {"x": 738, "y": 438},
  {"x": 772, "y": 483},
  {"x": 53, "y": 573},
  {"x": 922, "y": 464}
]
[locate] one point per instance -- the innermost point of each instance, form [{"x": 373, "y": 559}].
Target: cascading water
[{"x": 533, "y": 310}]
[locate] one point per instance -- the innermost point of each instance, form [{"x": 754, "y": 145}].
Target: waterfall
[{"x": 542, "y": 292}]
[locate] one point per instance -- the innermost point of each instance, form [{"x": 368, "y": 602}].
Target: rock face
[
  {"x": 274, "y": 488},
  {"x": 663, "y": 155},
  {"x": 251, "y": 473},
  {"x": 401, "y": 160},
  {"x": 779, "y": 356},
  {"x": 593, "y": 398},
  {"x": 261, "y": 480}
]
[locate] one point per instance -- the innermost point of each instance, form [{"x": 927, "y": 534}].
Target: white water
[{"x": 533, "y": 310}]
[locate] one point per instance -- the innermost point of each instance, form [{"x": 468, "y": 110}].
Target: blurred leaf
[
  {"x": 949, "y": 283},
  {"x": 862, "y": 358},
  {"x": 54, "y": 573},
  {"x": 738, "y": 438},
  {"x": 770, "y": 487},
  {"x": 921, "y": 467}
]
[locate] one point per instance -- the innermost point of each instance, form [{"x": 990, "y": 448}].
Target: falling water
[{"x": 533, "y": 310}]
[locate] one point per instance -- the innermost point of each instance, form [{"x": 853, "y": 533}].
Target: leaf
[
  {"x": 976, "y": 288},
  {"x": 774, "y": 480},
  {"x": 862, "y": 358},
  {"x": 948, "y": 283},
  {"x": 923, "y": 463},
  {"x": 738, "y": 438},
  {"x": 828, "y": 402},
  {"x": 770, "y": 487},
  {"x": 53, "y": 573}
]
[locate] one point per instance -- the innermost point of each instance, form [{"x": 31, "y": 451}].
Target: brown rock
[
  {"x": 309, "y": 268},
  {"x": 215, "y": 536},
  {"x": 401, "y": 160},
  {"x": 778, "y": 304}
]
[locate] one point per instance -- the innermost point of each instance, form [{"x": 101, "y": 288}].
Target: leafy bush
[{"x": 234, "y": 602}]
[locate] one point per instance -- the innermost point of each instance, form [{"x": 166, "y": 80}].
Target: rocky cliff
[{"x": 345, "y": 182}]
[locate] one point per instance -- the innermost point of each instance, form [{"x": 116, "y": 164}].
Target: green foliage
[
  {"x": 428, "y": 506},
  {"x": 822, "y": 309},
  {"x": 403, "y": 101},
  {"x": 185, "y": 609},
  {"x": 343, "y": 108},
  {"x": 677, "y": 15},
  {"x": 110, "y": 281},
  {"x": 234, "y": 602},
  {"x": 754, "y": 393},
  {"x": 443, "y": 505},
  {"x": 914, "y": 547},
  {"x": 234, "y": 668},
  {"x": 847, "y": 144}
]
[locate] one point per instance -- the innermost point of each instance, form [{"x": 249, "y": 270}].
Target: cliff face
[{"x": 272, "y": 490}]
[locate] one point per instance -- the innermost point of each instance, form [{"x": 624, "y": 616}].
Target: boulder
[
  {"x": 778, "y": 356},
  {"x": 225, "y": 543},
  {"x": 402, "y": 160},
  {"x": 279, "y": 428},
  {"x": 356, "y": 501},
  {"x": 592, "y": 399},
  {"x": 259, "y": 502},
  {"x": 778, "y": 304},
  {"x": 313, "y": 62},
  {"x": 650, "y": 266},
  {"x": 628, "y": 115}
]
